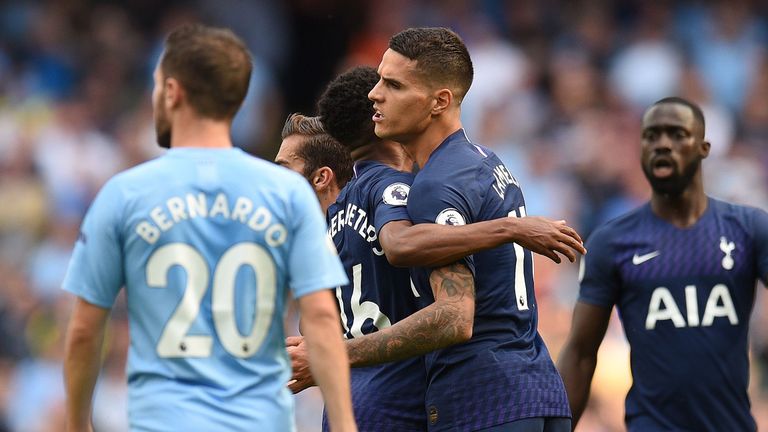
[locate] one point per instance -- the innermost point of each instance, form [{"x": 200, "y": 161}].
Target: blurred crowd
[{"x": 558, "y": 93}]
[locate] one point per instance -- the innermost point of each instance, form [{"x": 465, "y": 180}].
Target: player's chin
[
  {"x": 672, "y": 185},
  {"x": 381, "y": 131}
]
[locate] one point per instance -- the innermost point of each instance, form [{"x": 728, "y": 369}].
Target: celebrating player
[
  {"x": 681, "y": 271},
  {"x": 452, "y": 316},
  {"x": 502, "y": 375},
  {"x": 206, "y": 240},
  {"x": 307, "y": 149},
  {"x": 389, "y": 396}
]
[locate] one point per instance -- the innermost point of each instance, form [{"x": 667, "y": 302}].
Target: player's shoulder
[
  {"x": 373, "y": 175},
  {"x": 460, "y": 161},
  {"x": 264, "y": 174},
  {"x": 387, "y": 184},
  {"x": 377, "y": 172},
  {"x": 615, "y": 228},
  {"x": 130, "y": 178},
  {"x": 139, "y": 171},
  {"x": 458, "y": 148},
  {"x": 738, "y": 210},
  {"x": 745, "y": 215}
]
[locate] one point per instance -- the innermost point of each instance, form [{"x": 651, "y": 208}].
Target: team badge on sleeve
[
  {"x": 450, "y": 216},
  {"x": 397, "y": 194}
]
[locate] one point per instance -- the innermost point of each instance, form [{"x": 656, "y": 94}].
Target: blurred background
[{"x": 558, "y": 93}]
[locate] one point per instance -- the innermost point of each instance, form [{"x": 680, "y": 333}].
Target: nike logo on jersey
[{"x": 639, "y": 259}]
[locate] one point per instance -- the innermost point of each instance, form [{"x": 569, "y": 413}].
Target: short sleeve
[
  {"x": 312, "y": 260},
  {"x": 598, "y": 275},
  {"x": 390, "y": 197},
  {"x": 95, "y": 271},
  {"x": 442, "y": 203},
  {"x": 760, "y": 232}
]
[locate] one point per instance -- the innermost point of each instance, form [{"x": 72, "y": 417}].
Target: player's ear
[
  {"x": 172, "y": 93},
  {"x": 705, "y": 147},
  {"x": 442, "y": 101},
  {"x": 323, "y": 178}
]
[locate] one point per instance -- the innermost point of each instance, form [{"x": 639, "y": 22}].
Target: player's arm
[
  {"x": 429, "y": 245},
  {"x": 578, "y": 358},
  {"x": 82, "y": 361},
  {"x": 327, "y": 356},
  {"x": 447, "y": 321}
]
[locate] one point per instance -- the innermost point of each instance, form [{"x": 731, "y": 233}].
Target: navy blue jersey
[
  {"x": 504, "y": 372},
  {"x": 386, "y": 397},
  {"x": 684, "y": 297}
]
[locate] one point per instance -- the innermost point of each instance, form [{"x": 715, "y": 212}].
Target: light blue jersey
[{"x": 206, "y": 242}]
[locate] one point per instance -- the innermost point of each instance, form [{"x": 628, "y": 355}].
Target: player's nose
[
  {"x": 663, "y": 144},
  {"x": 375, "y": 93}
]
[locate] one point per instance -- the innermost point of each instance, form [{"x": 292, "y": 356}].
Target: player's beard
[
  {"x": 162, "y": 128},
  {"x": 675, "y": 184}
]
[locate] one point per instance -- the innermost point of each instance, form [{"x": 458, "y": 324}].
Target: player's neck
[
  {"x": 385, "y": 151},
  {"x": 682, "y": 210},
  {"x": 190, "y": 130},
  {"x": 421, "y": 146},
  {"x": 328, "y": 197}
]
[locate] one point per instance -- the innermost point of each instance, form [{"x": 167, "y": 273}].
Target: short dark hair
[
  {"x": 698, "y": 114},
  {"x": 212, "y": 65},
  {"x": 318, "y": 148},
  {"x": 440, "y": 55},
  {"x": 345, "y": 109}
]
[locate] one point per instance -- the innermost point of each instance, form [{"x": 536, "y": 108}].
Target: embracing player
[
  {"x": 370, "y": 226},
  {"x": 498, "y": 371},
  {"x": 310, "y": 151}
]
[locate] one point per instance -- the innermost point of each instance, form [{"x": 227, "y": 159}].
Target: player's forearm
[
  {"x": 437, "y": 326},
  {"x": 577, "y": 371},
  {"x": 81, "y": 370},
  {"x": 326, "y": 354},
  {"x": 432, "y": 245}
]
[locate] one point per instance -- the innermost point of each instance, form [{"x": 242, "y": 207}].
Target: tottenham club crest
[
  {"x": 450, "y": 216},
  {"x": 397, "y": 194},
  {"x": 727, "y": 248}
]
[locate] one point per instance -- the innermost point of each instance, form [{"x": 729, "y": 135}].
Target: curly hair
[{"x": 345, "y": 109}]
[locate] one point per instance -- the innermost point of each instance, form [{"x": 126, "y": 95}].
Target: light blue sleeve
[
  {"x": 313, "y": 261},
  {"x": 95, "y": 271}
]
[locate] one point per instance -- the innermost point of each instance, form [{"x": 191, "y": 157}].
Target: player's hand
[
  {"x": 302, "y": 376},
  {"x": 548, "y": 237}
]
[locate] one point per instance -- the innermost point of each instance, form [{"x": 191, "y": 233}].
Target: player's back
[
  {"x": 207, "y": 239},
  {"x": 684, "y": 297},
  {"x": 504, "y": 372},
  {"x": 390, "y": 396}
]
